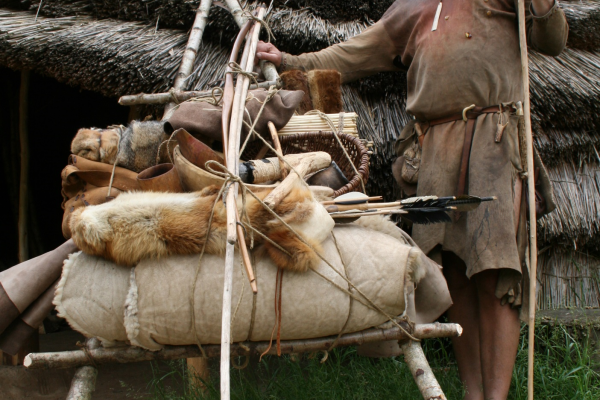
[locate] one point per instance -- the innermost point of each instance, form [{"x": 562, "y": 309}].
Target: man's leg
[
  {"x": 499, "y": 337},
  {"x": 464, "y": 311}
]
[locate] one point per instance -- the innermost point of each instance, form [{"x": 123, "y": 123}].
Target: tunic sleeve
[
  {"x": 368, "y": 53},
  {"x": 547, "y": 33}
]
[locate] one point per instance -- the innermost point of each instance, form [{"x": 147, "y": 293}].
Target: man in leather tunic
[{"x": 471, "y": 58}]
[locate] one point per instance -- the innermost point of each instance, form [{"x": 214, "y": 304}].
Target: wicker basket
[{"x": 324, "y": 141}]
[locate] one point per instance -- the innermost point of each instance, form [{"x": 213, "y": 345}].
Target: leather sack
[{"x": 203, "y": 120}]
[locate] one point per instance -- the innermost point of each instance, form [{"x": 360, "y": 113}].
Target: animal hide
[
  {"x": 138, "y": 225},
  {"x": 322, "y": 89},
  {"x": 136, "y": 149},
  {"x": 297, "y": 80},
  {"x": 325, "y": 90}
]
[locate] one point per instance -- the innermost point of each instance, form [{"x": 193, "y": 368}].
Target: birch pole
[
  {"x": 191, "y": 50},
  {"x": 531, "y": 193},
  {"x": 233, "y": 147}
]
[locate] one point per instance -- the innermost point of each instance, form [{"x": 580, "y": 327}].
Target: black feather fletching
[{"x": 425, "y": 216}]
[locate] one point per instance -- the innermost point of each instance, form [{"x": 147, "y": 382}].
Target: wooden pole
[
  {"x": 531, "y": 192},
  {"x": 124, "y": 355},
  {"x": 163, "y": 98},
  {"x": 233, "y": 148},
  {"x": 421, "y": 371},
  {"x": 83, "y": 383},
  {"x": 189, "y": 55},
  {"x": 237, "y": 12},
  {"x": 24, "y": 180}
]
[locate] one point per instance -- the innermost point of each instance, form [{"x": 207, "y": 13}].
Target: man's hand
[{"x": 268, "y": 52}]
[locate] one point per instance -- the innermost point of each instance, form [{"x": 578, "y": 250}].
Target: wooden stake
[
  {"x": 421, "y": 371},
  {"x": 189, "y": 55},
  {"x": 24, "y": 181},
  {"x": 123, "y": 355},
  {"x": 83, "y": 383},
  {"x": 277, "y": 146},
  {"x": 531, "y": 189}
]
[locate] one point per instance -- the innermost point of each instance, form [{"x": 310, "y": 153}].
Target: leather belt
[{"x": 469, "y": 115}]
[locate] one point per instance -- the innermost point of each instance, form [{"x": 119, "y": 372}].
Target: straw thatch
[
  {"x": 568, "y": 278},
  {"x": 119, "y": 47}
]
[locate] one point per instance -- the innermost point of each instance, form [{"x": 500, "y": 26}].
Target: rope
[
  {"x": 264, "y": 23},
  {"x": 350, "y": 298},
  {"x": 210, "y": 220},
  {"x": 169, "y": 140},
  {"x": 236, "y": 69},
  {"x": 118, "y": 130},
  {"x": 87, "y": 353},
  {"x": 335, "y": 135}
]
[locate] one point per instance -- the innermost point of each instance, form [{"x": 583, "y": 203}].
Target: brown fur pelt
[
  {"x": 139, "y": 225},
  {"x": 297, "y": 80},
  {"x": 134, "y": 147},
  {"x": 326, "y": 91}
]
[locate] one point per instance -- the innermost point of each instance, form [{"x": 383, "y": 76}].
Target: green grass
[{"x": 563, "y": 368}]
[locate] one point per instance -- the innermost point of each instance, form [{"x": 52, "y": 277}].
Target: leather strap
[{"x": 471, "y": 116}]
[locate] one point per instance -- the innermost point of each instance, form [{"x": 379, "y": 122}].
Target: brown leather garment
[
  {"x": 86, "y": 182},
  {"x": 22, "y": 284}
]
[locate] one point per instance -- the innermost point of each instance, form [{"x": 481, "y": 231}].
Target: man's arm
[
  {"x": 547, "y": 27},
  {"x": 368, "y": 53}
]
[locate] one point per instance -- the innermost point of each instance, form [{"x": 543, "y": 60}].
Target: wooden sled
[{"x": 89, "y": 357}]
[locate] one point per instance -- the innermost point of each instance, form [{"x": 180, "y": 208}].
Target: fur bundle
[
  {"x": 136, "y": 149},
  {"x": 297, "y": 80},
  {"x": 138, "y": 225},
  {"x": 322, "y": 89}
]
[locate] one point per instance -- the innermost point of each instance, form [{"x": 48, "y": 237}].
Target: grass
[{"x": 563, "y": 368}]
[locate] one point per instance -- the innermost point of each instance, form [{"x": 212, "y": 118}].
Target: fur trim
[
  {"x": 135, "y": 226},
  {"x": 414, "y": 265},
  {"x": 297, "y": 80},
  {"x": 326, "y": 90},
  {"x": 130, "y": 320},
  {"x": 58, "y": 297},
  {"x": 96, "y": 144},
  {"x": 135, "y": 150}
]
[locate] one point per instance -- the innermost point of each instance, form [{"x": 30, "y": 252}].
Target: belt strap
[{"x": 469, "y": 115}]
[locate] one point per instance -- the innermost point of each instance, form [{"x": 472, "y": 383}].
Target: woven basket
[{"x": 325, "y": 141}]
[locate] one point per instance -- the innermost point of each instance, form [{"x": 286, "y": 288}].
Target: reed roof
[{"x": 119, "y": 47}]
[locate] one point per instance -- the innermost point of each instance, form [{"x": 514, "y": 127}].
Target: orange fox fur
[{"x": 139, "y": 225}]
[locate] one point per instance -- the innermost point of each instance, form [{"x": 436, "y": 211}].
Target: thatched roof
[{"x": 119, "y": 47}]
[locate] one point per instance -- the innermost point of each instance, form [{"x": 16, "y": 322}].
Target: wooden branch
[
  {"x": 531, "y": 190},
  {"x": 180, "y": 96},
  {"x": 24, "y": 181},
  {"x": 112, "y": 355},
  {"x": 421, "y": 371},
  {"x": 237, "y": 12},
  {"x": 83, "y": 383},
  {"x": 233, "y": 149},
  {"x": 191, "y": 50},
  {"x": 277, "y": 146}
]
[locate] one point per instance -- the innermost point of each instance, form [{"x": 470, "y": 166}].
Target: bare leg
[
  {"x": 499, "y": 337},
  {"x": 464, "y": 311}
]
